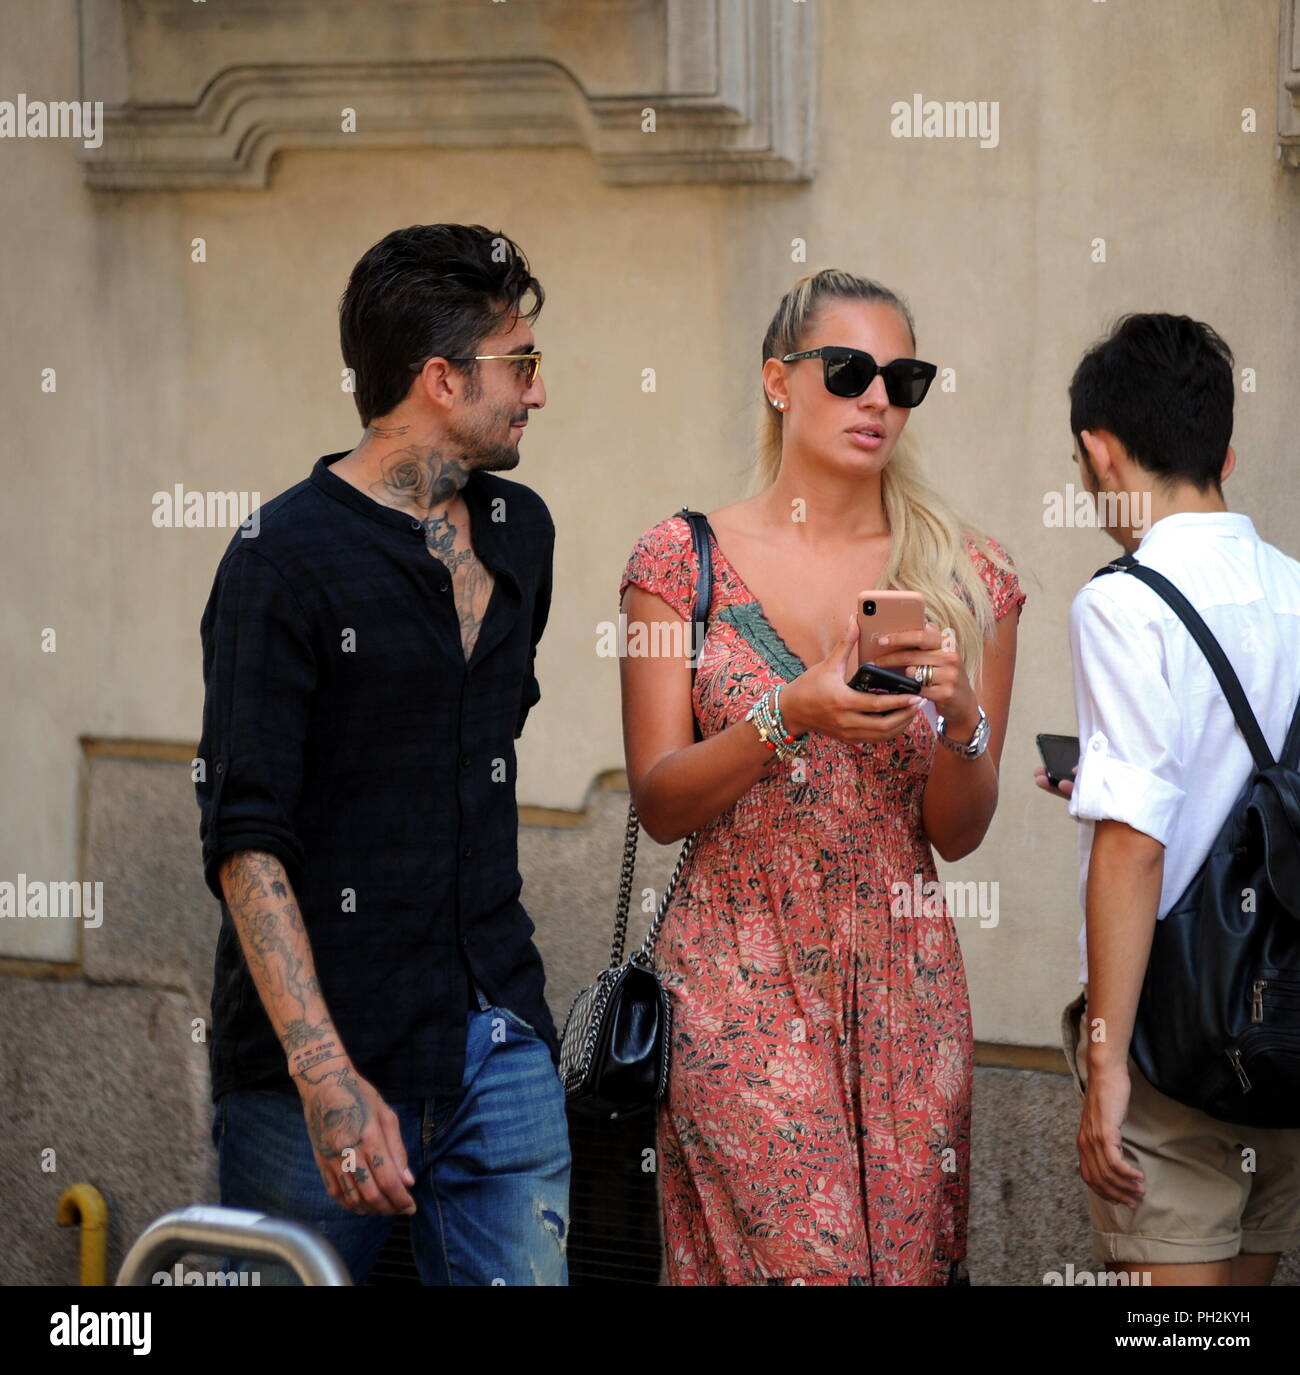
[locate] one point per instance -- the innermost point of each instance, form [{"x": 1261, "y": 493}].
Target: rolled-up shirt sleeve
[
  {"x": 1130, "y": 730},
  {"x": 259, "y": 670}
]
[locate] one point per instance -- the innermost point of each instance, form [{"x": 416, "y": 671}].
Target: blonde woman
[{"x": 816, "y": 1126}]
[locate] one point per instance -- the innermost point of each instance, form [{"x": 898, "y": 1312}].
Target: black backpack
[{"x": 1218, "y": 1022}]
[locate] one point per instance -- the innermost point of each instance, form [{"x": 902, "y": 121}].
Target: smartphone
[
  {"x": 1060, "y": 756},
  {"x": 873, "y": 678},
  {"x": 885, "y": 613}
]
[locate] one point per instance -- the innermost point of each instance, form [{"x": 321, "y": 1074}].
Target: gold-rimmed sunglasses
[{"x": 534, "y": 361}]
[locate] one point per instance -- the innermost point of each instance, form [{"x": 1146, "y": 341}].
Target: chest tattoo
[{"x": 471, "y": 580}]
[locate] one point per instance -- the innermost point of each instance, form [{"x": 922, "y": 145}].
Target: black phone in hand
[
  {"x": 873, "y": 678},
  {"x": 1060, "y": 756}
]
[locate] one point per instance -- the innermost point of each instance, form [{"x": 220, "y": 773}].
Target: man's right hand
[
  {"x": 354, "y": 1134},
  {"x": 1063, "y": 788},
  {"x": 356, "y": 1139}
]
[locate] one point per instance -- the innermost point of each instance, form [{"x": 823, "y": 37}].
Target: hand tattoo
[{"x": 336, "y": 1114}]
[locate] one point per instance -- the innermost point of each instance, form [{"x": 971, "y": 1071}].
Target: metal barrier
[
  {"x": 237, "y": 1233},
  {"x": 84, "y": 1204}
]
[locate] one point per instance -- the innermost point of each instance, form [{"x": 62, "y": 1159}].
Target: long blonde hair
[{"x": 927, "y": 551}]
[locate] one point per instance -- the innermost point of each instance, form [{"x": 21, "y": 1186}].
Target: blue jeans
[{"x": 491, "y": 1166}]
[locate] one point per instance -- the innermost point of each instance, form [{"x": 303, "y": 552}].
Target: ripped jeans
[{"x": 491, "y": 1167}]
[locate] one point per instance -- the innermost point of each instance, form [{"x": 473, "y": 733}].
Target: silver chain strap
[
  {"x": 587, "y": 1015},
  {"x": 645, "y": 955}
]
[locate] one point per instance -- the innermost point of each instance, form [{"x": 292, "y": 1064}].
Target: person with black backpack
[{"x": 1185, "y": 1041}]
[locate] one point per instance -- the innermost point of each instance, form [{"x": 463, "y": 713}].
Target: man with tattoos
[{"x": 368, "y": 663}]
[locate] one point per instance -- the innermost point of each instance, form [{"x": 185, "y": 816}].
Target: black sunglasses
[{"x": 849, "y": 372}]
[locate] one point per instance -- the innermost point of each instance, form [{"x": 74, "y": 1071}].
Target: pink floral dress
[{"x": 816, "y": 1128}]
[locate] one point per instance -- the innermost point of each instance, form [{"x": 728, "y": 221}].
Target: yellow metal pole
[{"x": 84, "y": 1204}]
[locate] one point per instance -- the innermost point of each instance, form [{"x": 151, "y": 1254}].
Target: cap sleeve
[
  {"x": 1003, "y": 584},
  {"x": 663, "y": 562}
]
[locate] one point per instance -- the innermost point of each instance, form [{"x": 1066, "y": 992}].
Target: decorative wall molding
[
  {"x": 1288, "y": 96},
  {"x": 206, "y": 95}
]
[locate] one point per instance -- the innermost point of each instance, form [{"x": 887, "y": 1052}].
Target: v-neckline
[{"x": 762, "y": 615}]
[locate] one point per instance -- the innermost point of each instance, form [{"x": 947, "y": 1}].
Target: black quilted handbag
[
  {"x": 614, "y": 1048},
  {"x": 1218, "y": 1020}
]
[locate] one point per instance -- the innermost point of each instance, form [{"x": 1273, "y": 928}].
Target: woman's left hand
[{"x": 949, "y": 688}]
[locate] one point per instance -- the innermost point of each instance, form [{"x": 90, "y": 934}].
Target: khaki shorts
[{"x": 1203, "y": 1201}]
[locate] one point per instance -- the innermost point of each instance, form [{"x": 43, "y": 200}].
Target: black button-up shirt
[{"x": 345, "y": 732}]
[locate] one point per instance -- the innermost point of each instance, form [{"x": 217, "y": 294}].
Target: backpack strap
[
  {"x": 1290, "y": 755},
  {"x": 1213, "y": 651},
  {"x": 700, "y": 537}
]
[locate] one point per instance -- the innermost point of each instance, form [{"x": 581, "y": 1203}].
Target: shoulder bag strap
[{"x": 700, "y": 535}]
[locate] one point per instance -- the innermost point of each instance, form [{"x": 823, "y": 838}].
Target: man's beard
[{"x": 479, "y": 443}]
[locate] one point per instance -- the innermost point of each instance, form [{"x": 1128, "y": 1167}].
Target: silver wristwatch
[{"x": 978, "y": 742}]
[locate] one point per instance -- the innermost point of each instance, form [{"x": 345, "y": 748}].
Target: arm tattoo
[
  {"x": 304, "y": 1060},
  {"x": 272, "y": 934},
  {"x": 300, "y": 1032}
]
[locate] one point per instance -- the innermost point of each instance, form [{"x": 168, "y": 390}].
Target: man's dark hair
[
  {"x": 1163, "y": 386},
  {"x": 431, "y": 290}
]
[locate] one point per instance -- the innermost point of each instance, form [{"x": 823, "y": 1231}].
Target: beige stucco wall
[{"x": 1116, "y": 122}]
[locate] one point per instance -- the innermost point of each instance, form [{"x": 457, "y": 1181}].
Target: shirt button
[
  {"x": 464, "y": 761},
  {"x": 467, "y": 851},
  {"x": 442, "y": 587}
]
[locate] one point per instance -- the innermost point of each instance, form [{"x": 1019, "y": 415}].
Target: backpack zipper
[
  {"x": 1285, "y": 998},
  {"x": 1279, "y": 1038},
  {"x": 1234, "y": 1055}
]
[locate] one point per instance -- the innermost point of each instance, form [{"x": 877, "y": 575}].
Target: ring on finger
[{"x": 924, "y": 674}]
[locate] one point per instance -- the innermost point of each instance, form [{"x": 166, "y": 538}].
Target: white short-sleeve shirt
[{"x": 1158, "y": 746}]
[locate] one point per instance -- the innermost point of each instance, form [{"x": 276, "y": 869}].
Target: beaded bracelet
[
  {"x": 763, "y": 733},
  {"x": 766, "y": 716},
  {"x": 780, "y": 720},
  {"x": 792, "y": 747}
]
